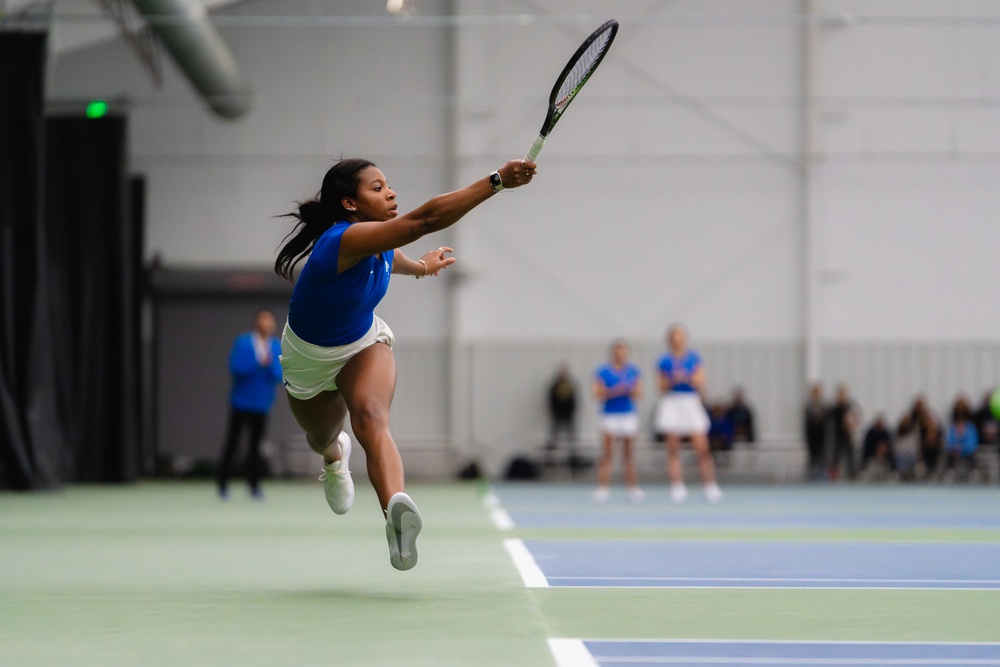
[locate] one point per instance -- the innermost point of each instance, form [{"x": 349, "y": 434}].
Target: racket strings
[{"x": 582, "y": 69}]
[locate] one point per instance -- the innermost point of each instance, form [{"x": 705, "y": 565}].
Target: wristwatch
[{"x": 496, "y": 182}]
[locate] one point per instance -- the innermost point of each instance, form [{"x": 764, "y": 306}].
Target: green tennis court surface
[{"x": 166, "y": 574}]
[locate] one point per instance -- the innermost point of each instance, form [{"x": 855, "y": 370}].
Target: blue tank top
[
  {"x": 618, "y": 378},
  {"x": 330, "y": 308},
  {"x": 684, "y": 367}
]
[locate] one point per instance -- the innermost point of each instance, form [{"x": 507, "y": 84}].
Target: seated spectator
[
  {"x": 986, "y": 424},
  {"x": 907, "y": 447},
  {"x": 921, "y": 413},
  {"x": 877, "y": 457},
  {"x": 960, "y": 447},
  {"x": 720, "y": 430},
  {"x": 741, "y": 417},
  {"x": 961, "y": 409},
  {"x": 931, "y": 447}
]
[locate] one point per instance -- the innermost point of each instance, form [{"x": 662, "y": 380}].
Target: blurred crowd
[
  {"x": 920, "y": 446},
  {"x": 731, "y": 422}
]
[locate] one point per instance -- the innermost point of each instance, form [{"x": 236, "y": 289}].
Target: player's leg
[
  {"x": 635, "y": 494},
  {"x": 254, "y": 463},
  {"x": 228, "y": 452},
  {"x": 604, "y": 465},
  {"x": 675, "y": 472},
  {"x": 628, "y": 461},
  {"x": 322, "y": 418},
  {"x": 706, "y": 466},
  {"x": 368, "y": 382}
]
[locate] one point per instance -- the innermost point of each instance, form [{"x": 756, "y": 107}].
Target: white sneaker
[
  {"x": 336, "y": 478},
  {"x": 678, "y": 493},
  {"x": 713, "y": 493},
  {"x": 402, "y": 525},
  {"x": 601, "y": 495},
  {"x": 635, "y": 495}
]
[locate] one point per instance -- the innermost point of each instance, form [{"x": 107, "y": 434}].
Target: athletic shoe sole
[{"x": 403, "y": 524}]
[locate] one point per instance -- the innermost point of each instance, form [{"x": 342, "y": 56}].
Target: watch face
[{"x": 495, "y": 180}]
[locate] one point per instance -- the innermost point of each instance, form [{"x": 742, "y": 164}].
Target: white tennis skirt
[
  {"x": 620, "y": 424},
  {"x": 681, "y": 413},
  {"x": 309, "y": 369}
]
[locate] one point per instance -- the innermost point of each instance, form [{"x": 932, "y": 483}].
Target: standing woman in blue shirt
[
  {"x": 336, "y": 355},
  {"x": 681, "y": 413},
  {"x": 255, "y": 371},
  {"x": 617, "y": 387}
]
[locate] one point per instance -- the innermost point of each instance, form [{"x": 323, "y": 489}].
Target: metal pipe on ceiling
[{"x": 187, "y": 33}]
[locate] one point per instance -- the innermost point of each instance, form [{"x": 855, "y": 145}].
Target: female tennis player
[
  {"x": 617, "y": 387},
  {"x": 336, "y": 354},
  {"x": 681, "y": 413}
]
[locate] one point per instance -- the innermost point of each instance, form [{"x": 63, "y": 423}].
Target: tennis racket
[{"x": 577, "y": 72}]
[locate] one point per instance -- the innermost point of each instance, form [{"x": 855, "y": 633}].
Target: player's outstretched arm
[{"x": 433, "y": 215}]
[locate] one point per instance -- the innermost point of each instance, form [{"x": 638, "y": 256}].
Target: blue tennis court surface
[
  {"x": 807, "y": 507},
  {"x": 767, "y": 564},
  {"x": 799, "y": 573},
  {"x": 770, "y": 653}
]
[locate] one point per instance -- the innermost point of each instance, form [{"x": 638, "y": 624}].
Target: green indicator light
[{"x": 97, "y": 109}]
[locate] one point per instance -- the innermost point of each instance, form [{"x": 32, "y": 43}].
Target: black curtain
[
  {"x": 69, "y": 278},
  {"x": 93, "y": 288},
  {"x": 32, "y": 438}
]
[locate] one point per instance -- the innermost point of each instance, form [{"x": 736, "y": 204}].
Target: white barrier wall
[{"x": 673, "y": 190}]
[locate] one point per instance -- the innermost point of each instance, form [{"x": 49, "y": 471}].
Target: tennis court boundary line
[
  {"x": 811, "y": 580},
  {"x": 805, "y": 642},
  {"x": 525, "y": 563},
  {"x": 498, "y": 515},
  {"x": 571, "y": 653},
  {"x": 769, "y": 588}
]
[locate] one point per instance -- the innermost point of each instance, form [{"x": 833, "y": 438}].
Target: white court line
[
  {"x": 809, "y": 580},
  {"x": 571, "y": 653},
  {"x": 498, "y": 515},
  {"x": 571, "y": 646},
  {"x": 772, "y": 588},
  {"x": 525, "y": 564},
  {"x": 501, "y": 520},
  {"x": 727, "y": 660},
  {"x": 490, "y": 499},
  {"x": 805, "y": 642}
]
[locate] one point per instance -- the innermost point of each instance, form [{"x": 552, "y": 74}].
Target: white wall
[{"x": 670, "y": 191}]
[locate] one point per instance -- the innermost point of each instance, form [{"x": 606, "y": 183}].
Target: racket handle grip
[{"x": 536, "y": 148}]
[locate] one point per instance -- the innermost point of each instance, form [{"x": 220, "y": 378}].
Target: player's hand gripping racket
[{"x": 576, "y": 73}]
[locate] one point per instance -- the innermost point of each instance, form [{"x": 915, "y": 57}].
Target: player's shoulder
[{"x": 333, "y": 234}]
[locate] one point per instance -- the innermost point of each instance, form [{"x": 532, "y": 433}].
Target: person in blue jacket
[
  {"x": 255, "y": 366},
  {"x": 336, "y": 354}
]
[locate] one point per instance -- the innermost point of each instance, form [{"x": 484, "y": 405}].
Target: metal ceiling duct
[{"x": 186, "y": 31}]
